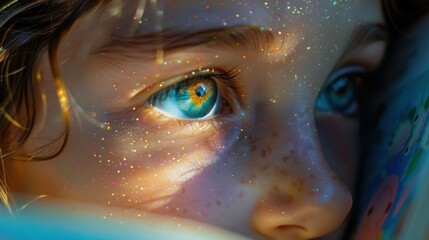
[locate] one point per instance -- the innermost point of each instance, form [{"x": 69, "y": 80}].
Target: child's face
[{"x": 215, "y": 118}]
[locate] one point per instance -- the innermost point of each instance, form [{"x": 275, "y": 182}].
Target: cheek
[
  {"x": 148, "y": 165},
  {"x": 339, "y": 138}
]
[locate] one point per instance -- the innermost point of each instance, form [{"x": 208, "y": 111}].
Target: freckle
[
  {"x": 275, "y": 188},
  {"x": 253, "y": 148},
  {"x": 264, "y": 167},
  {"x": 243, "y": 180},
  {"x": 218, "y": 203},
  {"x": 282, "y": 171},
  {"x": 296, "y": 162},
  {"x": 208, "y": 205},
  {"x": 271, "y": 147},
  {"x": 184, "y": 211},
  {"x": 274, "y": 134},
  {"x": 263, "y": 153},
  {"x": 252, "y": 176},
  {"x": 183, "y": 190},
  {"x": 285, "y": 158},
  {"x": 312, "y": 177},
  {"x": 297, "y": 184}
]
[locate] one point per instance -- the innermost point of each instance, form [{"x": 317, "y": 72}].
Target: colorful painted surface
[{"x": 397, "y": 156}]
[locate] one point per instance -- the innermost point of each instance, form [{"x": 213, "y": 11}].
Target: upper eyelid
[
  {"x": 368, "y": 34},
  {"x": 345, "y": 70},
  {"x": 142, "y": 96},
  {"x": 363, "y": 35}
]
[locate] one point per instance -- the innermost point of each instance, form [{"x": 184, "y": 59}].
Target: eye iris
[
  {"x": 197, "y": 97},
  {"x": 342, "y": 93}
]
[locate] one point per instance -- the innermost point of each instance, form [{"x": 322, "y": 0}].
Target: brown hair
[
  {"x": 401, "y": 14},
  {"x": 27, "y": 29}
]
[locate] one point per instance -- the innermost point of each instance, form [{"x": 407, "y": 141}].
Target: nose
[{"x": 301, "y": 196}]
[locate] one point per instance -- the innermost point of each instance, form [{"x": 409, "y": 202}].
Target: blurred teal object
[{"x": 45, "y": 218}]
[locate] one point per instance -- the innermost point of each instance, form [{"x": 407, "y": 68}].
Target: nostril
[
  {"x": 284, "y": 228},
  {"x": 298, "y": 216},
  {"x": 289, "y": 231}
]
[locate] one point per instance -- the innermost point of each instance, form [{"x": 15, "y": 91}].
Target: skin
[{"x": 263, "y": 171}]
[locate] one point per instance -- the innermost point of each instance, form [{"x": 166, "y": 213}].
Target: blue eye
[
  {"x": 194, "y": 98},
  {"x": 340, "y": 94}
]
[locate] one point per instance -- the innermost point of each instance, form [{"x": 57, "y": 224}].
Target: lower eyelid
[{"x": 157, "y": 120}]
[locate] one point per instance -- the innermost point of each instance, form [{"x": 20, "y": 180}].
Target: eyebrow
[
  {"x": 241, "y": 37},
  {"x": 244, "y": 37}
]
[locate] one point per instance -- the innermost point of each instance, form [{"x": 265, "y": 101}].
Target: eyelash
[{"x": 231, "y": 87}]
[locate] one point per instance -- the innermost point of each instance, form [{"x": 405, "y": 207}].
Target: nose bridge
[
  {"x": 297, "y": 149},
  {"x": 300, "y": 190}
]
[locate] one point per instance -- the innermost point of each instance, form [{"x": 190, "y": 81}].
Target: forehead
[{"x": 150, "y": 15}]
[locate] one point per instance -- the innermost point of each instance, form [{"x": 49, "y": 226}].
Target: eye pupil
[
  {"x": 201, "y": 90},
  {"x": 340, "y": 87}
]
